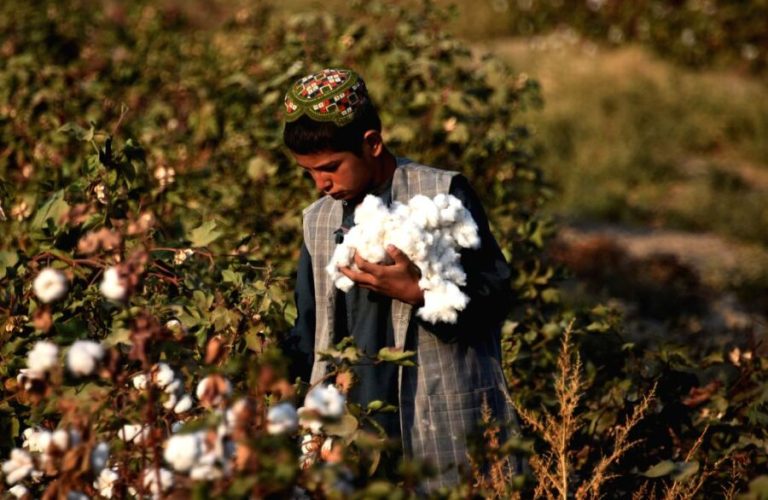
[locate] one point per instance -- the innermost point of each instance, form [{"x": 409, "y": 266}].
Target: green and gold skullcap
[{"x": 329, "y": 95}]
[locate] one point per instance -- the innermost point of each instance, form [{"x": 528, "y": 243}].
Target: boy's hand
[{"x": 399, "y": 280}]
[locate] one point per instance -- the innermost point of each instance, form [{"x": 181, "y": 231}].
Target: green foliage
[{"x": 696, "y": 33}]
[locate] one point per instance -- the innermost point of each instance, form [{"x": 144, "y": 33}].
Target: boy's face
[{"x": 342, "y": 175}]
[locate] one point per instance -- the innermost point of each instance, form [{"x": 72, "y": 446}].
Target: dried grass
[{"x": 553, "y": 469}]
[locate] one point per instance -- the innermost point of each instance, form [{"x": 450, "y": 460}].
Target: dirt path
[
  {"x": 722, "y": 266},
  {"x": 717, "y": 260}
]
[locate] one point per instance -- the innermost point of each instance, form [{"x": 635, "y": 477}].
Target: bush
[{"x": 696, "y": 33}]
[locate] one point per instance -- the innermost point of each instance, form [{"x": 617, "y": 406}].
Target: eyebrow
[{"x": 330, "y": 164}]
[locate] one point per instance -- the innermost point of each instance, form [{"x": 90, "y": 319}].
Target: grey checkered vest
[{"x": 442, "y": 396}]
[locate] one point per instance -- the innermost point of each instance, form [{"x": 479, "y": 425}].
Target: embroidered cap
[{"x": 329, "y": 95}]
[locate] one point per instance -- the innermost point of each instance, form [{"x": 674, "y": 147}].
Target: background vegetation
[{"x": 138, "y": 118}]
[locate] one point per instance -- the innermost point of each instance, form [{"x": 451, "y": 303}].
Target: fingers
[
  {"x": 397, "y": 255},
  {"x": 365, "y": 266},
  {"x": 360, "y": 277}
]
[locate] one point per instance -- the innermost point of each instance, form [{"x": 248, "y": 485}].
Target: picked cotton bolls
[
  {"x": 105, "y": 482},
  {"x": 83, "y": 357},
  {"x": 18, "y": 466},
  {"x": 182, "y": 451},
  {"x": 282, "y": 418},
  {"x": 50, "y": 285},
  {"x": 149, "y": 478},
  {"x": 43, "y": 356},
  {"x": 429, "y": 231},
  {"x": 112, "y": 286}
]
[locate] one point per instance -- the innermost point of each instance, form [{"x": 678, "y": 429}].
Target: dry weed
[{"x": 553, "y": 469}]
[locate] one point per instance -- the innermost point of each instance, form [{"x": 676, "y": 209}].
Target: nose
[{"x": 322, "y": 182}]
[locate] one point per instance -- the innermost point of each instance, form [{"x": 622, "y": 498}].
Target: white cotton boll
[
  {"x": 36, "y": 440},
  {"x": 182, "y": 451},
  {"x": 466, "y": 235},
  {"x": 43, "y": 356},
  {"x": 140, "y": 381},
  {"x": 112, "y": 287},
  {"x": 370, "y": 209},
  {"x": 170, "y": 402},
  {"x": 162, "y": 375},
  {"x": 205, "y": 472},
  {"x": 60, "y": 439},
  {"x": 18, "y": 466},
  {"x": 238, "y": 412},
  {"x": 424, "y": 212},
  {"x": 18, "y": 491},
  {"x": 99, "y": 456},
  {"x": 282, "y": 418},
  {"x": 50, "y": 285},
  {"x": 105, "y": 482},
  {"x": 83, "y": 357},
  {"x": 326, "y": 400},
  {"x": 175, "y": 387},
  {"x": 344, "y": 283},
  {"x": 184, "y": 404},
  {"x": 442, "y": 303},
  {"x": 213, "y": 389},
  {"x": 150, "y": 477},
  {"x": 133, "y": 433}
]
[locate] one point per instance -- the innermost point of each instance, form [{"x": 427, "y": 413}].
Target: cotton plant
[
  {"x": 430, "y": 231},
  {"x": 162, "y": 376},
  {"x": 40, "y": 447},
  {"x": 323, "y": 404},
  {"x": 207, "y": 454}
]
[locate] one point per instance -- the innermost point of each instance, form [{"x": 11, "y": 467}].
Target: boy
[{"x": 334, "y": 132}]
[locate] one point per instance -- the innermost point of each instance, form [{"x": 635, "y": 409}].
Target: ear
[{"x": 374, "y": 142}]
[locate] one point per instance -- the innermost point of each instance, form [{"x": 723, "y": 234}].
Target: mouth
[{"x": 337, "y": 196}]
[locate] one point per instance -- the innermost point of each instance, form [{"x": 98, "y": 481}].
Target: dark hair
[{"x": 305, "y": 135}]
